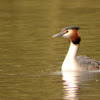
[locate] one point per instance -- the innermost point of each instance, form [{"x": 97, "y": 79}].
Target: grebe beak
[{"x": 58, "y": 35}]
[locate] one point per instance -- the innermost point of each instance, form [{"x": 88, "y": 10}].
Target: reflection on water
[
  {"x": 73, "y": 81},
  {"x": 70, "y": 84}
]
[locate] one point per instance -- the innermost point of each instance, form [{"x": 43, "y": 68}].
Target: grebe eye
[{"x": 66, "y": 31}]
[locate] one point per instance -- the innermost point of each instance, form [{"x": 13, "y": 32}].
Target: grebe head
[{"x": 71, "y": 33}]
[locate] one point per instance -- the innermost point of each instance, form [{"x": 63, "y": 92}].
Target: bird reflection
[
  {"x": 70, "y": 85},
  {"x": 72, "y": 81}
]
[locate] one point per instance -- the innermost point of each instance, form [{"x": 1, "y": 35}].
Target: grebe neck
[{"x": 73, "y": 51}]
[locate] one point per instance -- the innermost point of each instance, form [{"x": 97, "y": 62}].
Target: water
[{"x": 30, "y": 60}]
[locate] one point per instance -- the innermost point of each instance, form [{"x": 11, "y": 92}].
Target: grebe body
[{"x": 73, "y": 62}]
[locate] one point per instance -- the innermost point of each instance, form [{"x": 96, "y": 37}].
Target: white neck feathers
[
  {"x": 73, "y": 51},
  {"x": 70, "y": 62}
]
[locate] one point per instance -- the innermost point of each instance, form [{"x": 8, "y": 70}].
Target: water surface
[{"x": 29, "y": 56}]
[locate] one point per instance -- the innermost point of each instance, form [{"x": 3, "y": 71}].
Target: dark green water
[{"x": 28, "y": 54}]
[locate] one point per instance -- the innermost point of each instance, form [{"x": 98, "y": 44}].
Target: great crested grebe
[{"x": 73, "y": 62}]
